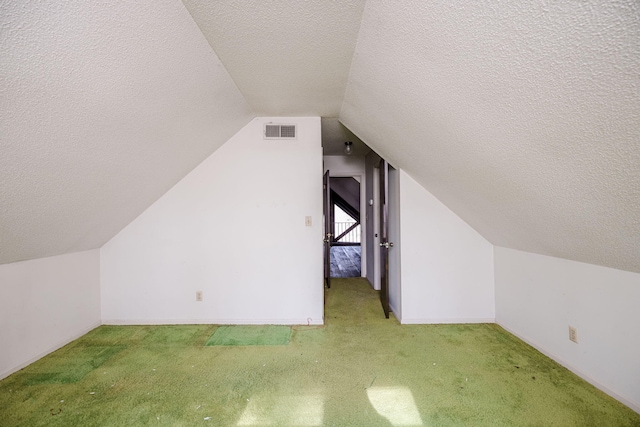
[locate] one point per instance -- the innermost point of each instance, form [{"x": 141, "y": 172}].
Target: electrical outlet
[
  {"x": 307, "y": 221},
  {"x": 198, "y": 295},
  {"x": 573, "y": 334}
]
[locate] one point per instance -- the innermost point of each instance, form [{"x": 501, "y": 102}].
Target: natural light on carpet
[
  {"x": 283, "y": 411},
  {"x": 395, "y": 404}
]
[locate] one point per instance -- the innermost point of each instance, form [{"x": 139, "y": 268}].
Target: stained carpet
[
  {"x": 250, "y": 335},
  {"x": 358, "y": 370}
]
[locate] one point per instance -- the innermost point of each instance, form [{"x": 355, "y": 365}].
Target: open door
[
  {"x": 385, "y": 244},
  {"x": 327, "y": 228}
]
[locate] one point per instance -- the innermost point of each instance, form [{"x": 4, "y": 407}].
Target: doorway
[
  {"x": 383, "y": 232},
  {"x": 379, "y": 255},
  {"x": 346, "y": 244}
]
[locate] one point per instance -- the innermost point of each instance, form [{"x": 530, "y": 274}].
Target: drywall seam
[{"x": 633, "y": 405}]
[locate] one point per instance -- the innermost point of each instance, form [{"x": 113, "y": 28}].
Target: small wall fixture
[{"x": 347, "y": 147}]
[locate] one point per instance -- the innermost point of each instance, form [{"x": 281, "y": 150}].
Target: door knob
[{"x": 386, "y": 245}]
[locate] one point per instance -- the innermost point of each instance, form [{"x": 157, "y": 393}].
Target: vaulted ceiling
[{"x": 524, "y": 119}]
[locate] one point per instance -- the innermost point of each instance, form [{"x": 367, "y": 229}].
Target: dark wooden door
[
  {"x": 384, "y": 236},
  {"x": 327, "y": 229}
]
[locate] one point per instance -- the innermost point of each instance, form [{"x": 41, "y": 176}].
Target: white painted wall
[
  {"x": 538, "y": 297},
  {"x": 233, "y": 228},
  {"x": 46, "y": 303},
  {"x": 344, "y": 165},
  {"x": 447, "y": 267}
]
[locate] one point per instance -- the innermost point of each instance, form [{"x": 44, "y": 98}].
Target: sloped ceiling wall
[
  {"x": 104, "y": 106},
  {"x": 523, "y": 118}
]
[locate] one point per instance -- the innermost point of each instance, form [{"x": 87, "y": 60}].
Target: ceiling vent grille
[{"x": 272, "y": 131}]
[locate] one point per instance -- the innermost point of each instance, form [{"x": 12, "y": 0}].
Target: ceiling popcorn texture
[
  {"x": 523, "y": 118},
  {"x": 288, "y": 57},
  {"x": 104, "y": 106}
]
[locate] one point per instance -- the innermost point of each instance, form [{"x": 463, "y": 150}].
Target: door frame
[
  {"x": 386, "y": 245},
  {"x": 376, "y": 228},
  {"x": 327, "y": 221},
  {"x": 361, "y": 178}
]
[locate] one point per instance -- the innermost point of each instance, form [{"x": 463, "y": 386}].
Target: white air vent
[{"x": 272, "y": 131}]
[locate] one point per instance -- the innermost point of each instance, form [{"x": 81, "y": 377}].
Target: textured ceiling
[
  {"x": 334, "y": 135},
  {"x": 288, "y": 57},
  {"x": 103, "y": 107},
  {"x": 522, "y": 117}
]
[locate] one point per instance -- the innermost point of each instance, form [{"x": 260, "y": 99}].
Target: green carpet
[
  {"x": 250, "y": 335},
  {"x": 358, "y": 370},
  {"x": 59, "y": 368}
]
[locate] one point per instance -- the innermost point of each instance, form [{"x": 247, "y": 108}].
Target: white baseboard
[
  {"x": 633, "y": 405},
  {"x": 51, "y": 349},
  {"x": 448, "y": 320},
  {"x": 307, "y": 321}
]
